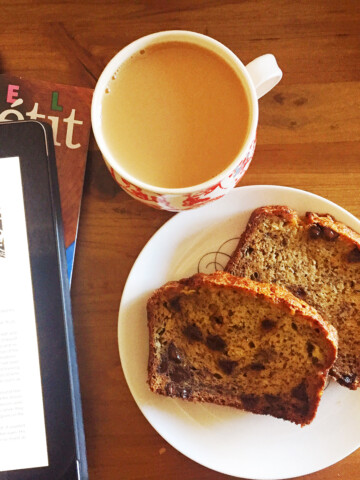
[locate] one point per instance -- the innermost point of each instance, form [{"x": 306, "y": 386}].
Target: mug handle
[{"x": 265, "y": 73}]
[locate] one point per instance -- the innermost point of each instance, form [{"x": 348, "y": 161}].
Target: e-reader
[{"x": 41, "y": 427}]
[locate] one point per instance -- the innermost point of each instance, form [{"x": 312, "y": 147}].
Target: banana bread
[
  {"x": 318, "y": 260},
  {"x": 232, "y": 341}
]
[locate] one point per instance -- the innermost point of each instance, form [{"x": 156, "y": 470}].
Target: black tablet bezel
[{"x": 31, "y": 142}]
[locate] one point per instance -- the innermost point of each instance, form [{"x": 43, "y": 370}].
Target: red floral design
[
  {"x": 185, "y": 202},
  {"x": 201, "y": 197},
  {"x": 112, "y": 173},
  {"x": 136, "y": 191}
]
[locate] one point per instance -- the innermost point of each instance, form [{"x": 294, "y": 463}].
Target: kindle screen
[{"x": 23, "y": 442}]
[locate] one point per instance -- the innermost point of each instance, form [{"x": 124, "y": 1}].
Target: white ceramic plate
[{"x": 224, "y": 439}]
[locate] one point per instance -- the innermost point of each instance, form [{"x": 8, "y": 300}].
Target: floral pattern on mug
[{"x": 178, "y": 201}]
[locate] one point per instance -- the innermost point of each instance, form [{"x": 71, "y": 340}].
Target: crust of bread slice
[
  {"x": 232, "y": 341},
  {"x": 318, "y": 259}
]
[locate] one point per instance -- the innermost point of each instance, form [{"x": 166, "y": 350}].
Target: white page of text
[{"x": 22, "y": 423}]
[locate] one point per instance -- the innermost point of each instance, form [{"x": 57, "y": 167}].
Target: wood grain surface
[{"x": 308, "y": 138}]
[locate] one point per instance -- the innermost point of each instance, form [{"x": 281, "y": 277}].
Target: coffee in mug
[{"x": 175, "y": 114}]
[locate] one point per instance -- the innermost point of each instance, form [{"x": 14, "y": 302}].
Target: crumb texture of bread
[
  {"x": 232, "y": 341},
  {"x": 318, "y": 260}
]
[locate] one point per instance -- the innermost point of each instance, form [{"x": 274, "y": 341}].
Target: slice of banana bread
[
  {"x": 232, "y": 341},
  {"x": 318, "y": 260}
]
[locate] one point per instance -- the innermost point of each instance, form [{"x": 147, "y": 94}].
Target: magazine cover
[{"x": 67, "y": 109}]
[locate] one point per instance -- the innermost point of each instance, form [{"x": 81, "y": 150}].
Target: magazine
[{"x": 67, "y": 109}]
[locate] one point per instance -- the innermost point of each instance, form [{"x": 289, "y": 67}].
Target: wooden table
[{"x": 308, "y": 138}]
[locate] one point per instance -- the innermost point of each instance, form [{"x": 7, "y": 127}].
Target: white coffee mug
[{"x": 258, "y": 77}]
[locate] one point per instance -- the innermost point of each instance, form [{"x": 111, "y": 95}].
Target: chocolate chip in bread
[
  {"x": 231, "y": 341},
  {"x": 318, "y": 260}
]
